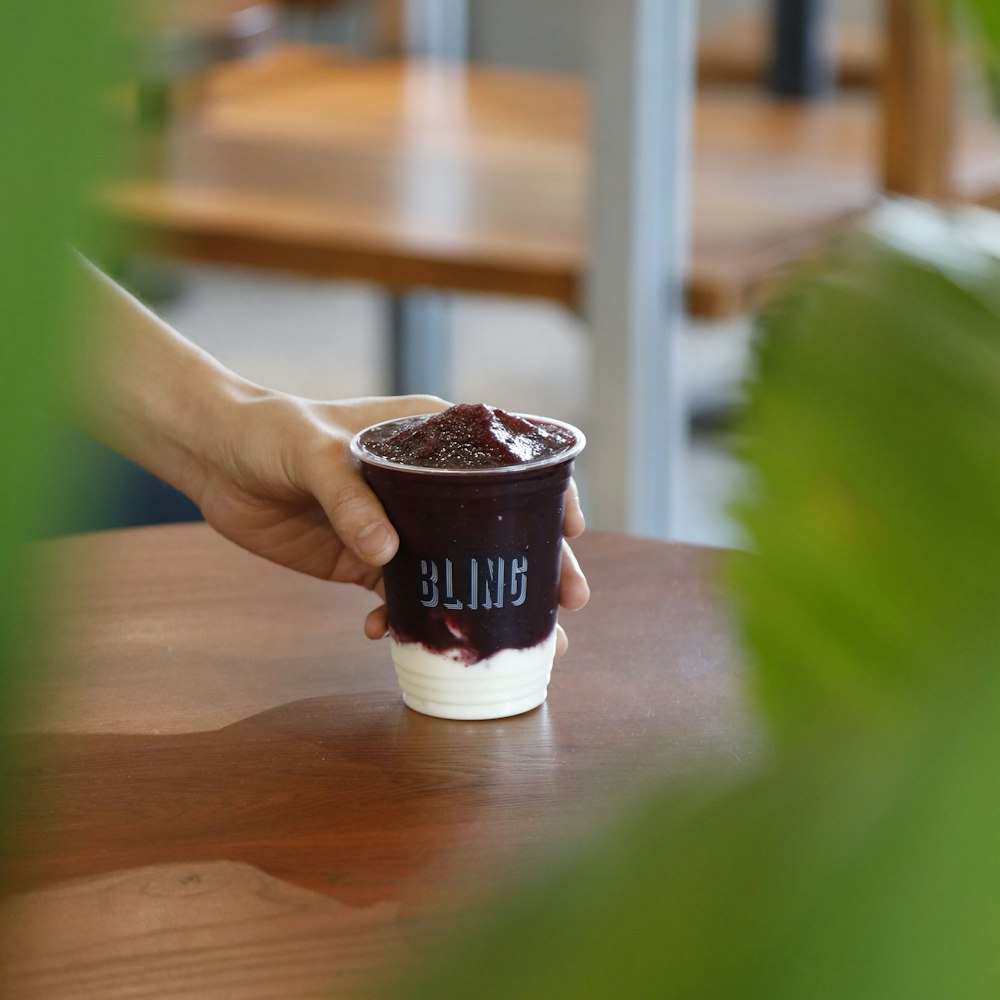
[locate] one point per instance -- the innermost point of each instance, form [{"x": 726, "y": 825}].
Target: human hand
[
  {"x": 281, "y": 483},
  {"x": 271, "y": 472}
]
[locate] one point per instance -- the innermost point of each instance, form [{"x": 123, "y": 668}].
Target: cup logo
[{"x": 475, "y": 584}]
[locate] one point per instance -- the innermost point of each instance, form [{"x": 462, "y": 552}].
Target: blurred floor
[{"x": 326, "y": 340}]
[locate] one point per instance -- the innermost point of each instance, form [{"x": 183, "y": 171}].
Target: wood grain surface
[{"x": 222, "y": 794}]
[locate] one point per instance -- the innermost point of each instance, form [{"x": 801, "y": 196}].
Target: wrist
[
  {"x": 255, "y": 438},
  {"x": 145, "y": 391},
  {"x": 208, "y": 436}
]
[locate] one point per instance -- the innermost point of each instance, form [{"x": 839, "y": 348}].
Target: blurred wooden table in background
[
  {"x": 427, "y": 176},
  {"x": 224, "y": 796},
  {"x": 415, "y": 174}
]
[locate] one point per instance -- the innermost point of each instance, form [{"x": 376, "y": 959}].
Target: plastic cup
[{"x": 472, "y": 594}]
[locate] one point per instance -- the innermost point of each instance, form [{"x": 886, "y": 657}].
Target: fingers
[
  {"x": 376, "y": 624},
  {"x": 574, "y": 591},
  {"x": 405, "y": 405},
  {"x": 333, "y": 478},
  {"x": 355, "y": 513},
  {"x": 562, "y": 642},
  {"x": 573, "y": 520},
  {"x": 357, "y": 414}
]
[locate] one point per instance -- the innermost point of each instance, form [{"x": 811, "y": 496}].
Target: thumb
[{"x": 356, "y": 514}]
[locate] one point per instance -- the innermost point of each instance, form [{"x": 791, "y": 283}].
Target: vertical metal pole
[
  {"x": 642, "y": 90},
  {"x": 437, "y": 29},
  {"x": 418, "y": 328},
  {"x": 802, "y": 63},
  {"x": 419, "y": 320}
]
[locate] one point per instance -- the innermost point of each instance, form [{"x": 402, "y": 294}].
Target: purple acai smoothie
[{"x": 476, "y": 495}]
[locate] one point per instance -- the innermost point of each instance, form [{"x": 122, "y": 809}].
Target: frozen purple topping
[{"x": 468, "y": 436}]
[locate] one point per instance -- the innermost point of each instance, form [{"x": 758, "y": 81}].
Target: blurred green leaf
[
  {"x": 985, "y": 18},
  {"x": 869, "y": 874},
  {"x": 978, "y": 24},
  {"x": 860, "y": 860},
  {"x": 57, "y": 58},
  {"x": 874, "y": 437}
]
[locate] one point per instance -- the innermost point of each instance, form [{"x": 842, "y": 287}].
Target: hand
[
  {"x": 574, "y": 591},
  {"x": 271, "y": 472},
  {"x": 282, "y": 485}
]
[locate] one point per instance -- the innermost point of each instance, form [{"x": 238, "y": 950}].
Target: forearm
[{"x": 146, "y": 392}]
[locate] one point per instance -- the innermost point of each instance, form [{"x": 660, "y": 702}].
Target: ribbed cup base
[{"x": 510, "y": 682}]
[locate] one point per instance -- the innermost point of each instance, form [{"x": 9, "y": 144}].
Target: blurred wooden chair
[{"x": 926, "y": 148}]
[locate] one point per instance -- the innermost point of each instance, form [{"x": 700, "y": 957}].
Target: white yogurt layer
[{"x": 508, "y": 683}]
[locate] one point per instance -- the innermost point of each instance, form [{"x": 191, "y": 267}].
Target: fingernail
[{"x": 373, "y": 540}]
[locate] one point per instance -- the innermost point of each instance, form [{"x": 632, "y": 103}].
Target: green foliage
[
  {"x": 869, "y": 876},
  {"x": 860, "y": 860},
  {"x": 978, "y": 22},
  {"x": 985, "y": 18},
  {"x": 56, "y": 57},
  {"x": 875, "y": 433}
]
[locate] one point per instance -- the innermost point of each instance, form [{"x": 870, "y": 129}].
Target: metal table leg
[
  {"x": 434, "y": 29},
  {"x": 802, "y": 63},
  {"x": 437, "y": 29},
  {"x": 642, "y": 88},
  {"x": 420, "y": 356}
]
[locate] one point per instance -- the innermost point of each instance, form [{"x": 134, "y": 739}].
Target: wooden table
[
  {"x": 415, "y": 174},
  {"x": 224, "y": 796}
]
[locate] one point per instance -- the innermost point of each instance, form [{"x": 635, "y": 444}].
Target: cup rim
[{"x": 499, "y": 471}]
